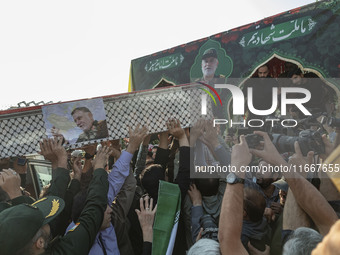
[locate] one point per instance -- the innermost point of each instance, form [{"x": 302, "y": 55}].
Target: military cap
[
  {"x": 209, "y": 53},
  {"x": 19, "y": 223}
]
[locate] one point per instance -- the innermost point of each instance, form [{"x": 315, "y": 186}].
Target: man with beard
[
  {"x": 92, "y": 129},
  {"x": 313, "y": 84},
  {"x": 265, "y": 180},
  {"x": 209, "y": 66},
  {"x": 262, "y": 91},
  {"x": 263, "y": 71}
]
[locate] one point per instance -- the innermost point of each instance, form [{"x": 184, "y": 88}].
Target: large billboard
[{"x": 308, "y": 36}]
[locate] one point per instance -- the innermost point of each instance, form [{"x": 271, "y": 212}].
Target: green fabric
[
  {"x": 168, "y": 209},
  {"x": 19, "y": 223},
  {"x": 80, "y": 239},
  {"x": 22, "y": 200},
  {"x": 59, "y": 183},
  {"x": 308, "y": 36}
]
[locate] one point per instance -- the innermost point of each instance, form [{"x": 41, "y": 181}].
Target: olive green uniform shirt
[{"x": 79, "y": 239}]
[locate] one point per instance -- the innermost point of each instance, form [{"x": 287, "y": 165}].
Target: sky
[{"x": 68, "y": 50}]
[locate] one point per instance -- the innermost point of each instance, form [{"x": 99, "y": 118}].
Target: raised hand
[
  {"x": 196, "y": 131},
  {"x": 269, "y": 152},
  {"x": 46, "y": 151},
  {"x": 240, "y": 155},
  {"x": 136, "y": 136},
  {"x": 195, "y": 195},
  {"x": 175, "y": 129},
  {"x": 101, "y": 158},
  {"x": 58, "y": 149},
  {"x": 10, "y": 183},
  {"x": 210, "y": 135},
  {"x": 146, "y": 217},
  {"x": 299, "y": 160}
]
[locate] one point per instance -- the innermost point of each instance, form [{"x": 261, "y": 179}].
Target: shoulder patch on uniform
[{"x": 74, "y": 227}]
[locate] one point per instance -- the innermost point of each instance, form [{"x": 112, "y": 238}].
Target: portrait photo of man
[
  {"x": 76, "y": 122},
  {"x": 209, "y": 65},
  {"x": 92, "y": 129}
]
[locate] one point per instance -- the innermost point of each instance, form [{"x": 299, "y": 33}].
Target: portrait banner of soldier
[
  {"x": 212, "y": 65},
  {"x": 76, "y": 122}
]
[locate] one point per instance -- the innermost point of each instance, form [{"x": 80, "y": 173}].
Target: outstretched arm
[
  {"x": 162, "y": 154},
  {"x": 60, "y": 175},
  {"x": 146, "y": 217},
  {"x": 141, "y": 158},
  {"x": 46, "y": 151},
  {"x": 121, "y": 168},
  {"x": 91, "y": 217},
  {"x": 306, "y": 195},
  {"x": 230, "y": 226},
  {"x": 183, "y": 176}
]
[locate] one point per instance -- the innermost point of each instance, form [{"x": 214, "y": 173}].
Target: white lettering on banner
[
  {"x": 238, "y": 100},
  {"x": 250, "y": 123}
]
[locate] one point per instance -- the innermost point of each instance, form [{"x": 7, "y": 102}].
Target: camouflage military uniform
[{"x": 98, "y": 130}]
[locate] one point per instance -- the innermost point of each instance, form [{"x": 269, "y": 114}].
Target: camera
[
  {"x": 275, "y": 126},
  {"x": 333, "y": 122},
  {"x": 309, "y": 140},
  {"x": 210, "y": 229},
  {"x": 253, "y": 140}
]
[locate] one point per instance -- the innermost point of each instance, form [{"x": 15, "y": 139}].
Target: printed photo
[{"x": 77, "y": 122}]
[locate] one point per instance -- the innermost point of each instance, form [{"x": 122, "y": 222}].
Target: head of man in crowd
[
  {"x": 205, "y": 246},
  {"x": 207, "y": 186},
  {"x": 263, "y": 71},
  {"x": 283, "y": 197},
  {"x": 296, "y": 76},
  {"x": 302, "y": 241},
  {"x": 209, "y": 64},
  {"x": 24, "y": 228},
  {"x": 254, "y": 205},
  {"x": 266, "y": 178},
  {"x": 289, "y": 66},
  {"x": 83, "y": 117},
  {"x": 282, "y": 185}
]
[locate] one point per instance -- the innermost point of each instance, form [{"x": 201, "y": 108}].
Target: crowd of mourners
[{"x": 103, "y": 199}]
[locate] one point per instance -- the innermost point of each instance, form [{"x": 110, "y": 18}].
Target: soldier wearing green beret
[{"x": 25, "y": 228}]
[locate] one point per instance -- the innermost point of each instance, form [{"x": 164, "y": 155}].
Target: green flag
[{"x": 166, "y": 220}]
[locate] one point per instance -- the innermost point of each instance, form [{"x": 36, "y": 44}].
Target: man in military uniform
[
  {"x": 209, "y": 66},
  {"x": 93, "y": 129},
  {"x": 25, "y": 228}
]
